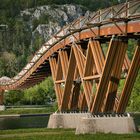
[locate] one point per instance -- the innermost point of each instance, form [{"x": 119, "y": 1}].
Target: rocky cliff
[{"x": 46, "y": 20}]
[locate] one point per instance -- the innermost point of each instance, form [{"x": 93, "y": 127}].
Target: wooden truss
[{"x": 87, "y": 79}]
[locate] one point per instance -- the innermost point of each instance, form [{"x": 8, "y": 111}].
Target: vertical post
[
  {"x": 1, "y": 96},
  {"x": 2, "y": 99}
]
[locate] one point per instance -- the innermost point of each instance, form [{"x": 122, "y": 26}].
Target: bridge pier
[
  {"x": 88, "y": 123},
  {"x": 106, "y": 124},
  {"x": 65, "y": 120},
  {"x": 2, "y": 107}
]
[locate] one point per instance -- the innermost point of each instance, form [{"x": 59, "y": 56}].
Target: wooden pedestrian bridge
[{"x": 85, "y": 77}]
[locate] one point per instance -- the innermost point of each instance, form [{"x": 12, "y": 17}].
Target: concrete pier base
[
  {"x": 2, "y": 107},
  {"x": 65, "y": 120},
  {"x": 117, "y": 125},
  {"x": 86, "y": 123}
]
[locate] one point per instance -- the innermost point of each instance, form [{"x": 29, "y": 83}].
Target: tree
[
  {"x": 40, "y": 94},
  {"x": 14, "y": 97},
  {"x": 8, "y": 64}
]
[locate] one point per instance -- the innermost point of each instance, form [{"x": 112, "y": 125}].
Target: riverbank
[
  {"x": 60, "y": 134},
  {"x": 13, "y": 111}
]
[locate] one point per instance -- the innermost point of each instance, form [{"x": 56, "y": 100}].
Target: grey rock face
[{"x": 54, "y": 18}]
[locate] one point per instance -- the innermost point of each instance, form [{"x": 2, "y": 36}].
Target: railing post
[{"x": 2, "y": 107}]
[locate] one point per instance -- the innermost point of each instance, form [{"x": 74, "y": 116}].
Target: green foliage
[
  {"x": 36, "y": 44},
  {"x": 38, "y": 95},
  {"x": 14, "y": 97},
  {"x": 131, "y": 48}
]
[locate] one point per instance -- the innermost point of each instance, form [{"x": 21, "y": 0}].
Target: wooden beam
[
  {"x": 126, "y": 64},
  {"x": 58, "y": 69},
  {"x": 129, "y": 83},
  {"x": 97, "y": 55},
  {"x": 35, "y": 78},
  {"x": 89, "y": 71},
  {"x": 73, "y": 103},
  {"x": 59, "y": 81},
  {"x": 106, "y": 75},
  {"x": 80, "y": 61},
  {"x": 69, "y": 82},
  {"x": 83, "y": 103},
  {"x": 1, "y": 97},
  {"x": 38, "y": 74},
  {"x": 110, "y": 97},
  {"x": 75, "y": 93},
  {"x": 94, "y": 77},
  {"x": 53, "y": 66},
  {"x": 64, "y": 62},
  {"x": 86, "y": 67}
]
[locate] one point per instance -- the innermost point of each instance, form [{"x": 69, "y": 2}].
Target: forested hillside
[
  {"x": 24, "y": 26},
  {"x": 16, "y": 29}
]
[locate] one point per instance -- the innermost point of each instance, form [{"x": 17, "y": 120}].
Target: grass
[
  {"x": 27, "y": 110},
  {"x": 60, "y": 134}
]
